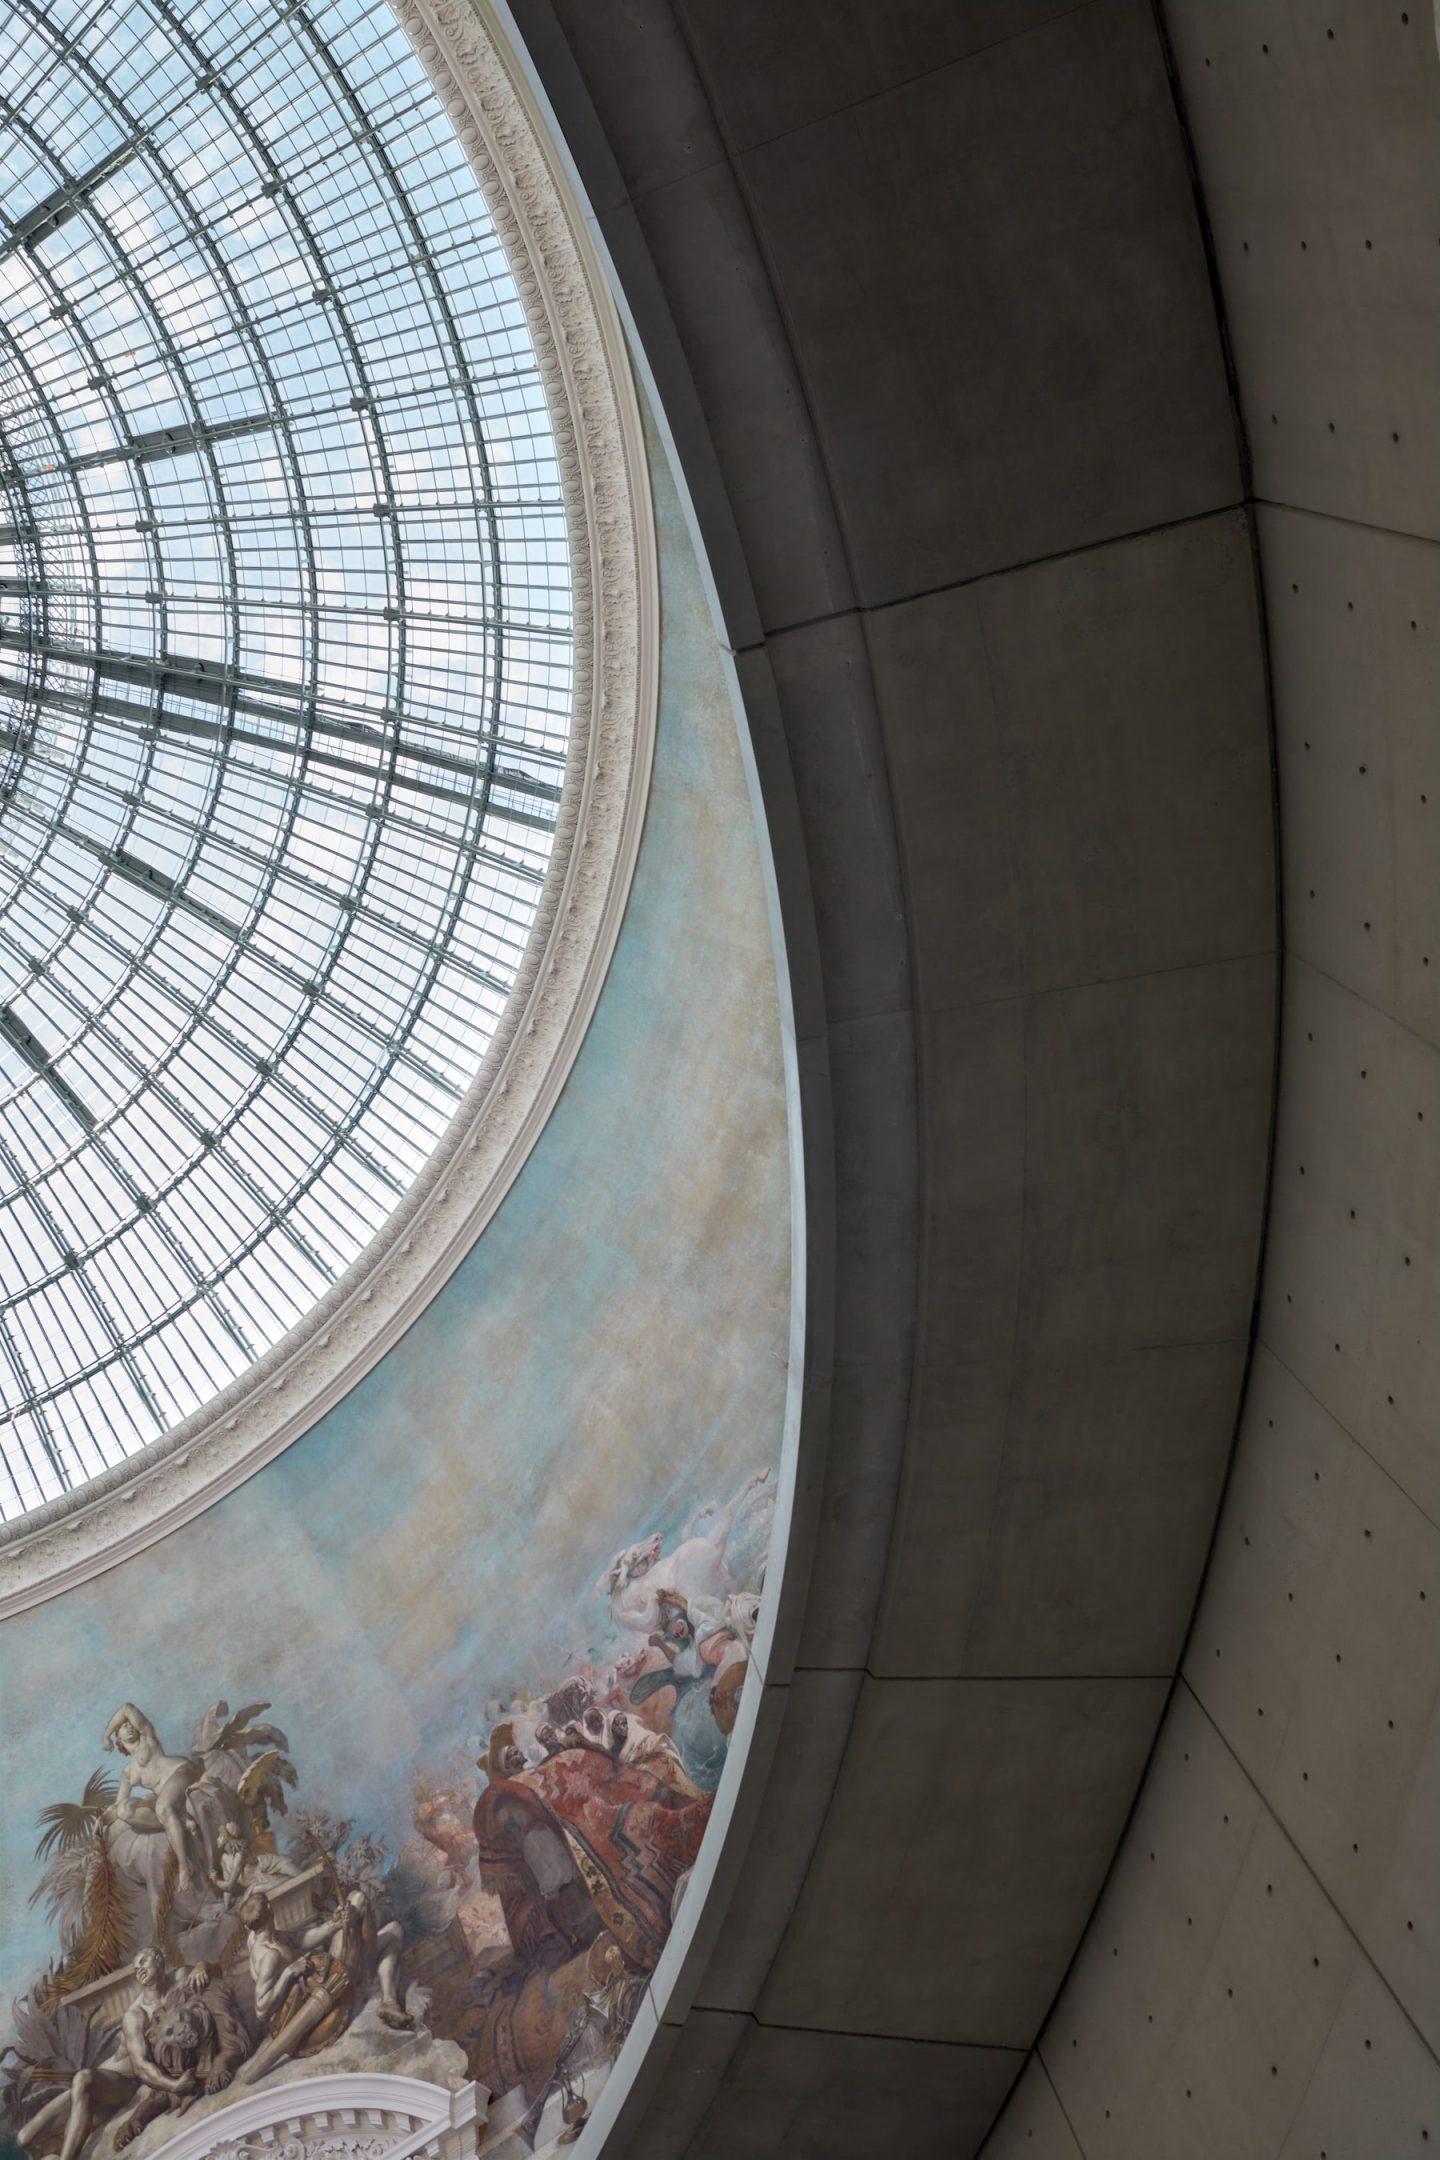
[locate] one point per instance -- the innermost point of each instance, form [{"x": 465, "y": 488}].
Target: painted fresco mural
[{"x": 402, "y": 1755}]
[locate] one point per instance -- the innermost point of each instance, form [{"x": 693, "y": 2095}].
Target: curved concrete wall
[
  {"x": 1263, "y": 1975},
  {"x": 924, "y": 295}
]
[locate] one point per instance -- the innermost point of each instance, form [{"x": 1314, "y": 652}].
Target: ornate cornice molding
[{"x": 601, "y": 449}]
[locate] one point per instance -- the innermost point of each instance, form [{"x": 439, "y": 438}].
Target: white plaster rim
[{"x": 436, "y": 2110}]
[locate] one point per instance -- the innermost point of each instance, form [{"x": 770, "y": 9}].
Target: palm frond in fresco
[
  {"x": 101, "y": 1943},
  {"x": 68, "y": 1823},
  {"x": 220, "y": 1731},
  {"x": 48, "y": 2048}
]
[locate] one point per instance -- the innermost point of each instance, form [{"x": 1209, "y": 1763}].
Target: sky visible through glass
[{"x": 285, "y": 684}]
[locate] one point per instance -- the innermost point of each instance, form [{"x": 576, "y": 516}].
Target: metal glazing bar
[
  {"x": 38, "y": 1058},
  {"x": 68, "y": 199}
]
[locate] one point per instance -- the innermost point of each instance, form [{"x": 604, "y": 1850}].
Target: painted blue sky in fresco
[{"x": 611, "y": 1355}]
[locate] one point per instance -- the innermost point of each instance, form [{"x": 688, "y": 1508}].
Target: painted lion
[{"x": 199, "y": 2033}]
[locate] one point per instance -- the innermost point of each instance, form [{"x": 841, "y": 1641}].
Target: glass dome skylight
[{"x": 285, "y": 685}]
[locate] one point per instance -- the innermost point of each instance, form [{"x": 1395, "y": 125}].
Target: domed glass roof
[{"x": 285, "y": 606}]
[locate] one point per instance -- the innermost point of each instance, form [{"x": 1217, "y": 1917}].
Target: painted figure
[
  {"x": 129, "y": 2078},
  {"x": 696, "y": 1571},
  {"x": 307, "y": 1991},
  {"x": 533, "y": 1942},
  {"x": 168, "y": 1779},
  {"x": 232, "y": 1859}
]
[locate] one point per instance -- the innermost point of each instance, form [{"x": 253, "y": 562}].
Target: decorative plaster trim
[
  {"x": 604, "y": 470},
  {"x": 437, "y": 2119}
]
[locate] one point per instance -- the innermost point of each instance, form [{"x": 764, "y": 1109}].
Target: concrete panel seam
[
  {"x": 901, "y": 83},
  {"x": 1091, "y": 982},
  {"x": 1354, "y": 1438},
  {"x": 1038, "y": 2053},
  {"x": 1337, "y": 982},
  {"x": 846, "y": 2032},
  {"x": 1031, "y": 562},
  {"x": 1336, "y": 517},
  {"x": 1278, "y": 1820}
]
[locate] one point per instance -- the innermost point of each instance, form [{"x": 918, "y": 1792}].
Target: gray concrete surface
[
  {"x": 1262, "y": 1978},
  {"x": 923, "y": 293}
]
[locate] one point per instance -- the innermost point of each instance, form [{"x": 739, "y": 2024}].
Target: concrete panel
[
  {"x": 1100, "y": 1482},
  {"x": 639, "y": 73},
  {"x": 1147, "y": 1115},
  {"x": 1144, "y": 1958},
  {"x": 953, "y": 782},
  {"x": 1316, "y": 138},
  {"x": 1207, "y": 1984},
  {"x": 733, "y": 334},
  {"x": 1258, "y": 2021},
  {"x": 807, "y": 1758},
  {"x": 974, "y": 1064},
  {"x": 691, "y": 2060},
  {"x": 1355, "y": 630},
  {"x": 1376, "y": 2087},
  {"x": 973, "y": 418},
  {"x": 836, "y": 2096},
  {"x": 1085, "y": 1188},
  {"x": 1266, "y": 1589},
  {"x": 1032, "y": 2125},
  {"x": 822, "y": 675},
  {"x": 1076, "y": 751},
  {"x": 1350, "y": 1297},
  {"x": 869, "y": 1416},
  {"x": 1129, "y": 686},
  {"x": 773, "y": 69},
  {"x": 1402, "y": 1928},
  {"x": 898, "y": 1927},
  {"x": 872, "y": 1077},
  {"x": 955, "y": 1458},
  {"x": 1317, "y": 1653}
]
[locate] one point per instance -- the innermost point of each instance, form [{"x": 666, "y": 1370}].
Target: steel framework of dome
[{"x": 286, "y": 672}]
